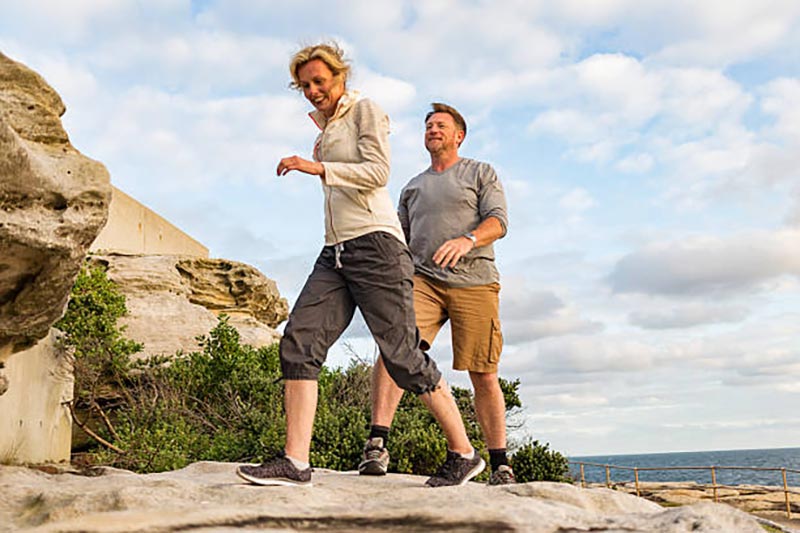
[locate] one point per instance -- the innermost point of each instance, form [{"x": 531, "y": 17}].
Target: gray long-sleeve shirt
[{"x": 437, "y": 206}]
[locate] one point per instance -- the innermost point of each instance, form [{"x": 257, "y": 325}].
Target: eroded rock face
[
  {"x": 173, "y": 299},
  {"x": 53, "y": 203},
  {"x": 210, "y": 497}
]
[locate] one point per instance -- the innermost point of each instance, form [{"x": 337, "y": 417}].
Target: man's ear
[{"x": 460, "y": 137}]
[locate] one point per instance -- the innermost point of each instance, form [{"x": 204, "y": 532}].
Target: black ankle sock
[
  {"x": 497, "y": 457},
  {"x": 379, "y": 431}
]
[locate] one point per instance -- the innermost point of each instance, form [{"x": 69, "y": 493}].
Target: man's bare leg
[
  {"x": 490, "y": 407},
  {"x": 440, "y": 402},
  {"x": 386, "y": 395}
]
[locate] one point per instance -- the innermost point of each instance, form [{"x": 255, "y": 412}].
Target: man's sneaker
[
  {"x": 456, "y": 470},
  {"x": 277, "y": 471},
  {"x": 376, "y": 458},
  {"x": 502, "y": 476}
]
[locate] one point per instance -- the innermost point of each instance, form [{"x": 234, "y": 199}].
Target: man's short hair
[{"x": 438, "y": 107}]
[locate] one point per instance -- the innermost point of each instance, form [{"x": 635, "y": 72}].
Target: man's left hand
[{"x": 451, "y": 251}]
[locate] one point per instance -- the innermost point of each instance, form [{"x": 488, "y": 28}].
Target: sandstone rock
[
  {"x": 36, "y": 425},
  {"x": 209, "y": 497},
  {"x": 172, "y": 299},
  {"x": 231, "y": 287},
  {"x": 53, "y": 203},
  {"x": 766, "y": 501}
]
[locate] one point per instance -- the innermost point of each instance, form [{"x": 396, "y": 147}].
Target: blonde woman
[{"x": 364, "y": 264}]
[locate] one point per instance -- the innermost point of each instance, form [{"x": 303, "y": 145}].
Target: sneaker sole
[
  {"x": 371, "y": 468},
  {"x": 472, "y": 473},
  {"x": 273, "y": 481}
]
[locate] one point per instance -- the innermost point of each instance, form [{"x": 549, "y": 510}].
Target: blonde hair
[{"x": 329, "y": 53}]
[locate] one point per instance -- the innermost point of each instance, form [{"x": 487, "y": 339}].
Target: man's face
[{"x": 441, "y": 134}]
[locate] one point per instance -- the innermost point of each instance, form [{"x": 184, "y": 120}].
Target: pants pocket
[{"x": 495, "y": 342}]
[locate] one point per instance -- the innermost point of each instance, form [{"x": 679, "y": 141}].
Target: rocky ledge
[{"x": 210, "y": 497}]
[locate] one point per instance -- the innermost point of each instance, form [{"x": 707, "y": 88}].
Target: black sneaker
[
  {"x": 456, "y": 470},
  {"x": 376, "y": 458},
  {"x": 502, "y": 476},
  {"x": 277, "y": 471}
]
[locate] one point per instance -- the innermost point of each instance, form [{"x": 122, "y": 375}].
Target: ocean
[{"x": 770, "y": 458}]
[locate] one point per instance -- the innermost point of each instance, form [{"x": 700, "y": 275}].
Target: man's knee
[{"x": 484, "y": 381}]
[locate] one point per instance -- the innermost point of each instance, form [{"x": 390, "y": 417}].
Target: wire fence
[{"x": 787, "y": 490}]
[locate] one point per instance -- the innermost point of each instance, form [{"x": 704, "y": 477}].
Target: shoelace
[{"x": 373, "y": 453}]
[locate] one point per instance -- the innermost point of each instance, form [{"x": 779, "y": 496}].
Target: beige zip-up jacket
[{"x": 353, "y": 146}]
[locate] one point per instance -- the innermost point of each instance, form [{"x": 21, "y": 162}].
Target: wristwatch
[{"x": 469, "y": 235}]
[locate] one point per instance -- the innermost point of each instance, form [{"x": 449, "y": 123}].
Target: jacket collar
[{"x": 347, "y": 100}]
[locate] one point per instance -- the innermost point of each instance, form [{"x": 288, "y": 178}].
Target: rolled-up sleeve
[
  {"x": 402, "y": 215},
  {"x": 372, "y": 168},
  {"x": 492, "y": 198}
]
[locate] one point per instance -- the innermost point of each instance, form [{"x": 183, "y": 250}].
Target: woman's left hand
[{"x": 303, "y": 165}]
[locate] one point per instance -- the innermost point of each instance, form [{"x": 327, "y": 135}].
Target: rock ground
[
  {"x": 768, "y": 502},
  {"x": 209, "y": 496}
]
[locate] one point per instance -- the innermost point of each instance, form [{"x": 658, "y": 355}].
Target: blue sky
[{"x": 649, "y": 151}]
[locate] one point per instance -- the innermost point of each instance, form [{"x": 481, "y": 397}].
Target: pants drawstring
[{"x": 338, "y": 249}]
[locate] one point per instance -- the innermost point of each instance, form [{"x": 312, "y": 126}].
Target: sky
[{"x": 649, "y": 151}]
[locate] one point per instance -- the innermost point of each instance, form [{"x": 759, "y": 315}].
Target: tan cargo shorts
[{"x": 474, "y": 321}]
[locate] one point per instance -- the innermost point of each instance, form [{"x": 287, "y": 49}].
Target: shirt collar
[{"x": 342, "y": 106}]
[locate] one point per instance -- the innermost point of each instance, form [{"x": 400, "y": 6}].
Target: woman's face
[{"x": 320, "y": 86}]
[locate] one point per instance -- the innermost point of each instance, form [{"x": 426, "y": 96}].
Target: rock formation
[
  {"x": 766, "y": 501},
  {"x": 53, "y": 203},
  {"x": 209, "y": 497},
  {"x": 173, "y": 299}
]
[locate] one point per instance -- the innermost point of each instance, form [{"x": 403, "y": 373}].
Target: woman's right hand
[{"x": 302, "y": 165}]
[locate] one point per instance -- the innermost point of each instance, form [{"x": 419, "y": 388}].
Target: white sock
[
  {"x": 300, "y": 465},
  {"x": 470, "y": 455}
]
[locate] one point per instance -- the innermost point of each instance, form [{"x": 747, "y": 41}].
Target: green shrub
[
  {"x": 101, "y": 352},
  {"x": 537, "y": 462}
]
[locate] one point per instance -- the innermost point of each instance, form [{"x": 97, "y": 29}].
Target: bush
[{"x": 536, "y": 462}]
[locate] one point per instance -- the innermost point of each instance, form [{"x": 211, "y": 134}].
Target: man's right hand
[{"x": 451, "y": 251}]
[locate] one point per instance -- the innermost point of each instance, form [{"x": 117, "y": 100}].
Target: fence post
[
  {"x": 636, "y": 477},
  {"x": 583, "y": 477},
  {"x": 608, "y": 477},
  {"x": 786, "y": 495},
  {"x": 714, "y": 482}
]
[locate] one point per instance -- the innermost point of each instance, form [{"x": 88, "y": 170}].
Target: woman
[{"x": 364, "y": 264}]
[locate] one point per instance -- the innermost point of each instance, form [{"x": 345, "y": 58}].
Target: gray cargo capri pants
[{"x": 374, "y": 272}]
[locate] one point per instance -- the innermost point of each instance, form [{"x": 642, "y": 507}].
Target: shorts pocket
[{"x": 495, "y": 342}]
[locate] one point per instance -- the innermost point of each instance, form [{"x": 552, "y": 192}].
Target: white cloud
[
  {"x": 779, "y": 98},
  {"x": 702, "y": 98},
  {"x": 689, "y": 315},
  {"x": 721, "y": 33},
  {"x": 636, "y": 163},
  {"x": 592, "y": 354},
  {"x": 577, "y": 200},
  {"x": 573, "y": 400},
  {"x": 198, "y": 61},
  {"x": 529, "y": 314},
  {"x": 394, "y": 95},
  {"x": 702, "y": 265}
]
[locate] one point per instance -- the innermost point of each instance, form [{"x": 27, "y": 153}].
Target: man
[{"x": 451, "y": 214}]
